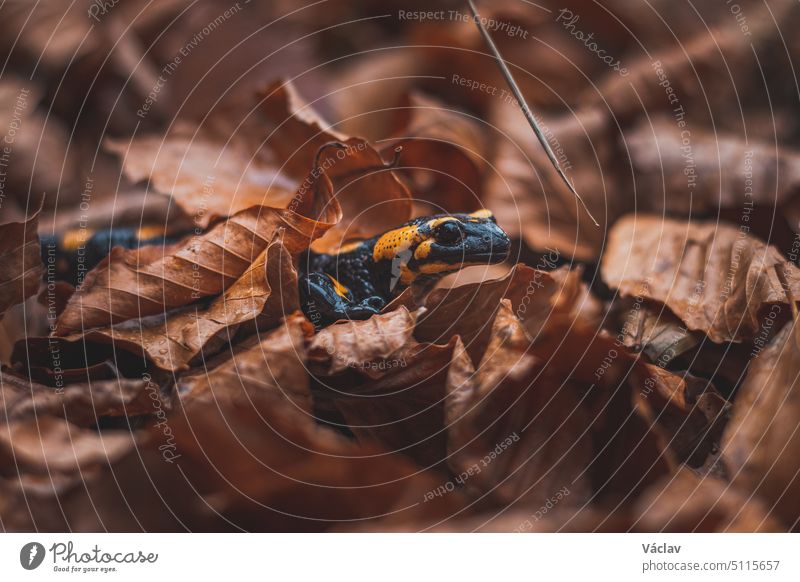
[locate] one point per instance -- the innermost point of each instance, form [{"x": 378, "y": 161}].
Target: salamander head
[{"x": 433, "y": 246}]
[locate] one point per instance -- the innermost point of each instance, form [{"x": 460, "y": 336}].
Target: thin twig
[{"x": 524, "y": 105}]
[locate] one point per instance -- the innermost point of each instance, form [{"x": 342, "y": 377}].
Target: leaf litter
[{"x": 637, "y": 376}]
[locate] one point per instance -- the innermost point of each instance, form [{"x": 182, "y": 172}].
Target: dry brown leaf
[
  {"x": 372, "y": 198},
  {"x": 468, "y": 310},
  {"x": 212, "y": 174},
  {"x": 762, "y": 442},
  {"x": 514, "y": 434},
  {"x": 715, "y": 277},
  {"x": 148, "y": 281},
  {"x": 444, "y": 154},
  {"x": 21, "y": 260},
  {"x": 726, "y": 171},
  {"x": 174, "y": 340},
  {"x": 653, "y": 330},
  {"x": 688, "y": 412},
  {"x": 632, "y": 455},
  {"x": 207, "y": 178},
  {"x": 296, "y": 131},
  {"x": 403, "y": 408},
  {"x": 358, "y": 344},
  {"x": 387, "y": 387},
  {"x": 274, "y": 365}
]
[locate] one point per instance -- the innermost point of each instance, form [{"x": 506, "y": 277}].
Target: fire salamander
[
  {"x": 359, "y": 280},
  {"x": 355, "y": 283}
]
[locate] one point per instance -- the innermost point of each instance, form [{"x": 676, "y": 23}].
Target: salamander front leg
[{"x": 325, "y": 300}]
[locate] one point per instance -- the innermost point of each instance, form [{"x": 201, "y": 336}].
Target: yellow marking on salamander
[
  {"x": 340, "y": 289},
  {"x": 437, "y": 221},
  {"x": 396, "y": 241},
  {"x": 439, "y": 267},
  {"x": 75, "y": 239},
  {"x": 423, "y": 249},
  {"x": 349, "y": 247},
  {"x": 482, "y": 213},
  {"x": 148, "y": 232}
]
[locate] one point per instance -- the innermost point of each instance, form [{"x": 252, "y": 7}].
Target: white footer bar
[{"x": 401, "y": 557}]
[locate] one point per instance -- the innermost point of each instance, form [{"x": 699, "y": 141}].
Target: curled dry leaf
[
  {"x": 761, "y": 445},
  {"x": 444, "y": 154},
  {"x": 684, "y": 502},
  {"x": 174, "y": 340},
  {"x": 715, "y": 277},
  {"x": 148, "y": 281},
  {"x": 208, "y": 178},
  {"x": 296, "y": 130},
  {"x": 534, "y": 295},
  {"x": 359, "y": 344},
  {"x": 653, "y": 330},
  {"x": 274, "y": 365},
  {"x": 212, "y": 174},
  {"x": 20, "y": 257},
  {"x": 687, "y": 412},
  {"x": 512, "y": 433},
  {"x": 659, "y": 334},
  {"x": 469, "y": 310},
  {"x": 371, "y": 196}
]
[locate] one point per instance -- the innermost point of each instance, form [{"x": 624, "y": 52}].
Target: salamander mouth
[
  {"x": 487, "y": 258},
  {"x": 491, "y": 257}
]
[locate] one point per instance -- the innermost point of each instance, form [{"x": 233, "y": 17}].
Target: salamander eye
[{"x": 449, "y": 232}]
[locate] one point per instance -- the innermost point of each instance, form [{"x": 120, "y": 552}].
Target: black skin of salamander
[
  {"x": 70, "y": 263},
  {"x": 369, "y": 281}
]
